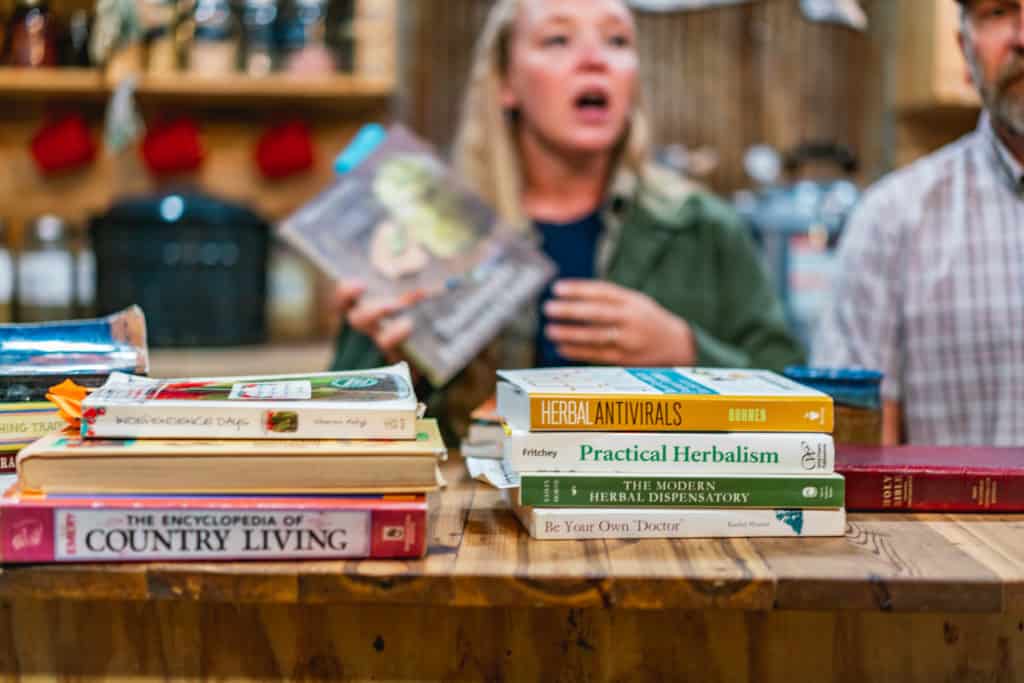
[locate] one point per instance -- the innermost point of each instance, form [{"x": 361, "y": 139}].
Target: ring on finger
[{"x": 611, "y": 336}]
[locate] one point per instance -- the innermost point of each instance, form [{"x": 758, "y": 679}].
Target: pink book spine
[
  {"x": 126, "y": 530},
  {"x": 398, "y": 533}
]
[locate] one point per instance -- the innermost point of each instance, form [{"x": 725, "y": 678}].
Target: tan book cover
[{"x": 64, "y": 462}]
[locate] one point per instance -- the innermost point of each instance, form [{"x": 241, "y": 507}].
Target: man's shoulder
[{"x": 909, "y": 188}]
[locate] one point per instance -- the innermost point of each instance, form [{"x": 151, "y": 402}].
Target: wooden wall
[
  {"x": 726, "y": 77},
  {"x": 228, "y": 133},
  {"x": 229, "y": 129}
]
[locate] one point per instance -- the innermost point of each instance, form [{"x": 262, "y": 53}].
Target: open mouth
[{"x": 592, "y": 100}]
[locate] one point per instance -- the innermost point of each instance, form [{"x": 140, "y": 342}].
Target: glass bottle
[
  {"x": 340, "y": 33},
  {"x": 258, "y": 52},
  {"x": 215, "y": 39},
  {"x": 32, "y": 35},
  {"x": 158, "y": 19},
  {"x": 76, "y": 40},
  {"x": 301, "y": 31},
  {"x": 46, "y": 272}
]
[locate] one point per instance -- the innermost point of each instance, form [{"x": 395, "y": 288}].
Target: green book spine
[{"x": 545, "y": 489}]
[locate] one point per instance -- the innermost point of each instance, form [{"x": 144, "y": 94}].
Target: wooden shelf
[
  {"x": 274, "y": 86},
  {"x": 948, "y": 100},
  {"x": 69, "y": 82},
  {"x": 952, "y": 108},
  {"x": 46, "y": 82}
]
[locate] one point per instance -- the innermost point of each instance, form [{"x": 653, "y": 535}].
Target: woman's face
[{"x": 572, "y": 72}]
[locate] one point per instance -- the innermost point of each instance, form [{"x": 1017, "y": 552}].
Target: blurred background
[{"x": 148, "y": 146}]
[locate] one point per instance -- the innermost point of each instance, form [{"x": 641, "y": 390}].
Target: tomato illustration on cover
[
  {"x": 190, "y": 391},
  {"x": 281, "y": 421},
  {"x": 89, "y": 415}
]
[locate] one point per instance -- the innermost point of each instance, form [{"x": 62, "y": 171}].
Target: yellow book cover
[
  {"x": 660, "y": 400},
  {"x": 21, "y": 423}
]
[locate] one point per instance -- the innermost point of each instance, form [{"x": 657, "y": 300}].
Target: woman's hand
[
  {"x": 378, "y": 320},
  {"x": 602, "y": 323}
]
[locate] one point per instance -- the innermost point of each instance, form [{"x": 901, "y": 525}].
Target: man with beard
[{"x": 931, "y": 283}]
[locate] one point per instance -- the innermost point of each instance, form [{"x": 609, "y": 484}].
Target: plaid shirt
[{"x": 931, "y": 292}]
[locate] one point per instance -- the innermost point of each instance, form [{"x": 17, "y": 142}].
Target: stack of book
[
  {"x": 327, "y": 465},
  {"x": 669, "y": 453},
  {"x": 35, "y": 356}
]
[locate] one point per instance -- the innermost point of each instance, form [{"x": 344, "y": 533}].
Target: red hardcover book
[
  {"x": 932, "y": 478},
  {"x": 36, "y": 528}
]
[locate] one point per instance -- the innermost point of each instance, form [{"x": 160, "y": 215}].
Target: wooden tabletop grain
[{"x": 480, "y": 556}]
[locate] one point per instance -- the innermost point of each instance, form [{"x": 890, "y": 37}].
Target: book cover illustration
[
  {"x": 402, "y": 223},
  {"x": 374, "y": 403},
  {"x": 793, "y": 518},
  {"x": 35, "y": 356}
]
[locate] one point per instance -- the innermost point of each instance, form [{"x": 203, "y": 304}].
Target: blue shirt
[{"x": 573, "y": 247}]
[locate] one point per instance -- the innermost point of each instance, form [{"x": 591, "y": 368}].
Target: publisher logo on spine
[
  {"x": 27, "y": 534},
  {"x": 813, "y": 457}
]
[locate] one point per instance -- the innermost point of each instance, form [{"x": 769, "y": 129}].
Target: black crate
[{"x": 197, "y": 266}]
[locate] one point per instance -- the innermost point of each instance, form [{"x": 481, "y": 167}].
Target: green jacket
[
  {"x": 693, "y": 254},
  {"x": 688, "y": 251}
]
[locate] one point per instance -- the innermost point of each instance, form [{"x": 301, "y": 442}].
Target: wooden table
[{"x": 900, "y": 598}]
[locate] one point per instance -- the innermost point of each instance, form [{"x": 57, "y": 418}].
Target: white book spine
[
  {"x": 614, "y": 523},
  {"x": 199, "y": 421},
  {"x": 670, "y": 452}
]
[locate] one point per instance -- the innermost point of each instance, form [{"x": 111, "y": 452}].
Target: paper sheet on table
[{"x": 494, "y": 472}]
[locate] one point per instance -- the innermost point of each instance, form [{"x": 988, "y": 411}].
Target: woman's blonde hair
[{"x": 486, "y": 152}]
